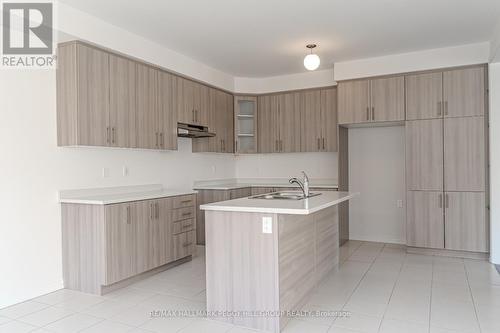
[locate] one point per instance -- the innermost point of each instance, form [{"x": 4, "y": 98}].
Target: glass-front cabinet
[{"x": 245, "y": 127}]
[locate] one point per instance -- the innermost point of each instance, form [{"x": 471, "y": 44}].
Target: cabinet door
[
  {"x": 464, "y": 154},
  {"x": 424, "y": 154},
  {"x": 228, "y": 123},
  {"x": 388, "y": 99},
  {"x": 186, "y": 107},
  {"x": 143, "y": 217},
  {"x": 329, "y": 119},
  {"x": 167, "y": 124},
  {"x": 93, "y": 96},
  {"x": 122, "y": 103},
  {"x": 289, "y": 123},
  {"x": 353, "y": 102},
  {"x": 209, "y": 144},
  {"x": 311, "y": 121},
  {"x": 425, "y": 219},
  {"x": 464, "y": 92},
  {"x": 165, "y": 227},
  {"x": 424, "y": 96},
  {"x": 466, "y": 227},
  {"x": 205, "y": 197},
  {"x": 203, "y": 104},
  {"x": 267, "y": 121},
  {"x": 240, "y": 193},
  {"x": 147, "y": 105},
  {"x": 120, "y": 242},
  {"x": 221, "y": 120}
]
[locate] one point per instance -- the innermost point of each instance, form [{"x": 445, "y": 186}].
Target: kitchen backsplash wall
[{"x": 316, "y": 165}]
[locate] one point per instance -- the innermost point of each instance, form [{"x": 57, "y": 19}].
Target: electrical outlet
[
  {"x": 267, "y": 225},
  {"x": 214, "y": 169},
  {"x": 399, "y": 203},
  {"x": 105, "y": 172},
  {"x": 125, "y": 171}
]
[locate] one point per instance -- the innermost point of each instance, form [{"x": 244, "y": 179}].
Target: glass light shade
[{"x": 311, "y": 61}]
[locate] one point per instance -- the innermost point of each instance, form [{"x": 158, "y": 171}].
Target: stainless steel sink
[{"x": 283, "y": 196}]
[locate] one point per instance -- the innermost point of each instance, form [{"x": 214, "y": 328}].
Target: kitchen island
[{"x": 265, "y": 256}]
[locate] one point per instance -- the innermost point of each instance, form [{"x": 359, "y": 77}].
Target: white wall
[
  {"x": 316, "y": 165},
  {"x": 86, "y": 27},
  {"x": 33, "y": 169},
  {"x": 304, "y": 80},
  {"x": 494, "y": 85},
  {"x": 414, "y": 61},
  {"x": 377, "y": 171}
]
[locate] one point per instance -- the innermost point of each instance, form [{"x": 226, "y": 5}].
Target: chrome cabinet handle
[
  {"x": 157, "y": 205},
  {"x": 128, "y": 214},
  {"x": 107, "y": 134},
  {"x": 151, "y": 211},
  {"x": 319, "y": 144},
  {"x": 447, "y": 201},
  {"x": 367, "y": 113},
  {"x": 162, "y": 142},
  {"x": 186, "y": 226},
  {"x": 446, "y": 108},
  {"x": 440, "y": 200},
  {"x": 186, "y": 214},
  {"x": 186, "y": 201},
  {"x": 323, "y": 143},
  {"x": 373, "y": 113},
  {"x": 281, "y": 145},
  {"x": 440, "y": 106},
  {"x": 156, "y": 145},
  {"x": 187, "y": 244}
]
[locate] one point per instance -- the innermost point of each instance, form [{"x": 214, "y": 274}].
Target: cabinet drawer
[
  {"x": 182, "y": 226},
  {"x": 184, "y": 201},
  {"x": 184, "y": 244},
  {"x": 183, "y": 213}
]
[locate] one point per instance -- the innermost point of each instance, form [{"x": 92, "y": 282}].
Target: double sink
[{"x": 288, "y": 195}]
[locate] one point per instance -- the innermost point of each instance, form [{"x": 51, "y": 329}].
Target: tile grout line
[
  {"x": 472, "y": 296},
  {"x": 392, "y": 292},
  {"x": 430, "y": 300},
  {"x": 357, "y": 285}
]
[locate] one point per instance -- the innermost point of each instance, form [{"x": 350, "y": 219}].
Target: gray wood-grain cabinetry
[
  {"x": 373, "y": 100},
  {"x": 424, "y": 155},
  {"x": 210, "y": 196},
  {"x": 107, "y": 244},
  {"x": 425, "y": 219},
  {"x": 466, "y": 227}
]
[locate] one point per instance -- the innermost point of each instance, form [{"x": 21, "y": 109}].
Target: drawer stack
[{"x": 184, "y": 225}]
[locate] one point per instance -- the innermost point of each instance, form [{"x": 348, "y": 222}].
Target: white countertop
[
  {"x": 281, "y": 206},
  {"x": 114, "y": 195},
  {"x": 233, "y": 184}
]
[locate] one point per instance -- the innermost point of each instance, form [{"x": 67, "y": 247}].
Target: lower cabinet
[
  {"x": 106, "y": 244},
  {"x": 210, "y": 196},
  {"x": 447, "y": 220},
  {"x": 466, "y": 227},
  {"x": 425, "y": 219}
]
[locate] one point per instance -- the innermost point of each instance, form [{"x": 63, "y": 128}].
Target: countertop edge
[
  {"x": 240, "y": 186},
  {"x": 268, "y": 210},
  {"x": 131, "y": 198}
]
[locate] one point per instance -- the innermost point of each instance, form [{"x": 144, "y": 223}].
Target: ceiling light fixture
[{"x": 311, "y": 61}]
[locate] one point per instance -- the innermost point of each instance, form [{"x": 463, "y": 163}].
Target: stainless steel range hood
[{"x": 193, "y": 131}]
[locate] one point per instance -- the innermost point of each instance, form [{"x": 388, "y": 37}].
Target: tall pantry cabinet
[{"x": 446, "y": 152}]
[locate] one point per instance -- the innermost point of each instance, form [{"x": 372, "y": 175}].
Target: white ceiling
[{"x": 259, "y": 38}]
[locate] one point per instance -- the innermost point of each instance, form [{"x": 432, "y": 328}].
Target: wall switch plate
[
  {"x": 125, "y": 171},
  {"x": 267, "y": 225},
  {"x": 105, "y": 172},
  {"x": 399, "y": 203}
]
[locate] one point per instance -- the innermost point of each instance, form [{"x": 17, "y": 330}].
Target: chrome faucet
[{"x": 304, "y": 184}]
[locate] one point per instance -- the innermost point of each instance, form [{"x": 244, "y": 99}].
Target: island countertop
[{"x": 281, "y": 206}]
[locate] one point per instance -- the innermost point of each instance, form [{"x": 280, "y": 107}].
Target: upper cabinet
[
  {"x": 464, "y": 92},
  {"x": 454, "y": 93},
  {"x": 374, "y": 100},
  {"x": 304, "y": 121},
  {"x": 193, "y": 102},
  {"x": 83, "y": 117},
  {"x": 104, "y": 99},
  {"x": 245, "y": 124}
]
